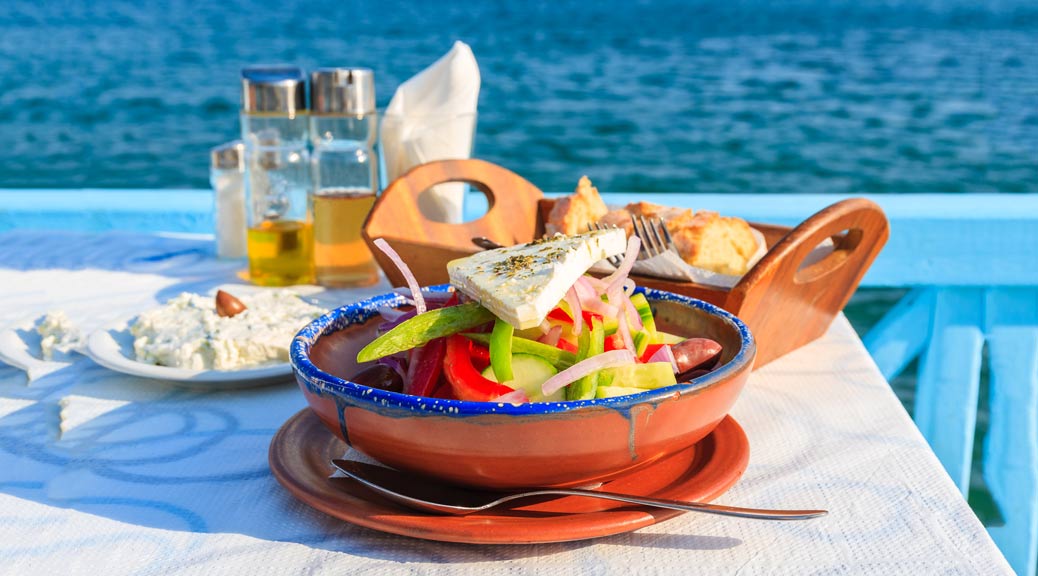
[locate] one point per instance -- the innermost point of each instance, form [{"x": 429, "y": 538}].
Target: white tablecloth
[{"x": 152, "y": 479}]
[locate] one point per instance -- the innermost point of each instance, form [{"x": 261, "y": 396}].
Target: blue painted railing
[{"x": 970, "y": 261}]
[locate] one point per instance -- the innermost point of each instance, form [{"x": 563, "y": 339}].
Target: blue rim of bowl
[{"x": 360, "y": 312}]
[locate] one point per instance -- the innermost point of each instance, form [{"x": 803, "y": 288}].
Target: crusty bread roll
[
  {"x": 572, "y": 214},
  {"x": 703, "y": 239},
  {"x": 619, "y": 218},
  {"x": 713, "y": 242}
]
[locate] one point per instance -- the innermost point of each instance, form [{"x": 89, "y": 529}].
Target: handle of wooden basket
[
  {"x": 781, "y": 289},
  {"x": 511, "y": 217}
]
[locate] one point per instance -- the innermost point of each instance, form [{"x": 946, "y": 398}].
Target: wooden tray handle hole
[
  {"x": 431, "y": 201},
  {"x": 826, "y": 258}
]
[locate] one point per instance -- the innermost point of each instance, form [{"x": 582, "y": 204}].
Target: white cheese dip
[
  {"x": 57, "y": 334},
  {"x": 187, "y": 333}
]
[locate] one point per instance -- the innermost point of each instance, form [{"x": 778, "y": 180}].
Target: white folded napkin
[{"x": 432, "y": 116}]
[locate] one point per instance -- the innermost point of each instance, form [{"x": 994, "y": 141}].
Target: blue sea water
[{"x": 707, "y": 96}]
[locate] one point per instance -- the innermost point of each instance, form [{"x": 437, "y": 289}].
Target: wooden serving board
[{"x": 785, "y": 304}]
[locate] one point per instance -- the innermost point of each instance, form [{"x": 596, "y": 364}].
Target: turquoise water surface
[{"x": 747, "y": 96}]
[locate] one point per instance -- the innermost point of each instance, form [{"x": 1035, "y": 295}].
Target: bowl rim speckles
[{"x": 359, "y": 312}]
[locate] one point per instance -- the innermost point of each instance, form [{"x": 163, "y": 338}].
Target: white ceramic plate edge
[{"x": 112, "y": 347}]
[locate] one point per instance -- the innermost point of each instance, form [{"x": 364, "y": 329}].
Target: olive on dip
[{"x": 227, "y": 305}]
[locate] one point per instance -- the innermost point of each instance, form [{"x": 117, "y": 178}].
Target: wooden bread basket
[{"x": 786, "y": 305}]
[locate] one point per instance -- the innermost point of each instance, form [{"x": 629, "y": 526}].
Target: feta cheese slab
[{"x": 521, "y": 284}]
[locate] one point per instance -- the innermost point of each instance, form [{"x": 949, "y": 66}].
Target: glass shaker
[
  {"x": 227, "y": 177},
  {"x": 343, "y": 131},
  {"x": 274, "y": 129}
]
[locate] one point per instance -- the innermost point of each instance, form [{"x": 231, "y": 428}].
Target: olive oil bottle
[
  {"x": 345, "y": 176},
  {"x": 281, "y": 253}
]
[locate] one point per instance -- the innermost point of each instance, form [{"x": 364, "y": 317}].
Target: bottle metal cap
[
  {"x": 229, "y": 156},
  {"x": 273, "y": 89},
  {"x": 342, "y": 91}
]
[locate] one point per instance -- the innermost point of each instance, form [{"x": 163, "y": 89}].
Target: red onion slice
[
  {"x": 585, "y": 289},
  {"x": 552, "y": 337},
  {"x": 617, "y": 278},
  {"x": 664, "y": 354},
  {"x": 574, "y": 309},
  {"x": 625, "y": 332},
  {"x": 603, "y": 309},
  {"x": 632, "y": 315},
  {"x": 513, "y": 397},
  {"x": 585, "y": 367},
  {"x": 412, "y": 282}
]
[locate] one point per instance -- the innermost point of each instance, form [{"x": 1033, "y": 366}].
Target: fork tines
[{"x": 654, "y": 235}]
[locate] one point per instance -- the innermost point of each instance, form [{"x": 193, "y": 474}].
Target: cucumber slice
[
  {"x": 529, "y": 373},
  {"x": 645, "y": 311},
  {"x": 584, "y": 388},
  {"x": 641, "y": 342},
  {"x": 642, "y": 376},
  {"x": 667, "y": 338},
  {"x": 610, "y": 391}
]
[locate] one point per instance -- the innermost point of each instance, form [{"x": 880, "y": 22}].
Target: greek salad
[{"x": 528, "y": 324}]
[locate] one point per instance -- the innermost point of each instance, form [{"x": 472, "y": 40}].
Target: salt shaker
[
  {"x": 343, "y": 130},
  {"x": 277, "y": 169},
  {"x": 227, "y": 177}
]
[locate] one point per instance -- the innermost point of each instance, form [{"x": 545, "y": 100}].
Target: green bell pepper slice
[
  {"x": 424, "y": 327},
  {"x": 501, "y": 350}
]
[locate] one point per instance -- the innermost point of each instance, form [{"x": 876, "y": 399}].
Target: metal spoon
[{"x": 441, "y": 499}]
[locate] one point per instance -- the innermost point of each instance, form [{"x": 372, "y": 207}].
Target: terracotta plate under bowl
[{"x": 301, "y": 453}]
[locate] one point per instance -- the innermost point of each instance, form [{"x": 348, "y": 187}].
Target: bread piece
[
  {"x": 675, "y": 218},
  {"x": 620, "y": 218},
  {"x": 720, "y": 244},
  {"x": 572, "y": 214}
]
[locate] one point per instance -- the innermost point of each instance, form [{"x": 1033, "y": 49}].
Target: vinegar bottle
[
  {"x": 274, "y": 130},
  {"x": 344, "y": 170}
]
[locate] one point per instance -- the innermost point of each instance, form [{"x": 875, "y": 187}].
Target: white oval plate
[{"x": 112, "y": 347}]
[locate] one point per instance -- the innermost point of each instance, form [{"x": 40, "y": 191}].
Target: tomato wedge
[
  {"x": 467, "y": 383},
  {"x": 614, "y": 342},
  {"x": 566, "y": 345},
  {"x": 559, "y": 315},
  {"x": 480, "y": 357}
]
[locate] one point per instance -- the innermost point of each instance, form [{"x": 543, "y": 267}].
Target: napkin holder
[{"x": 785, "y": 304}]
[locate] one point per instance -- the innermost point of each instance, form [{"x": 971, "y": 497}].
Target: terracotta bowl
[{"x": 503, "y": 446}]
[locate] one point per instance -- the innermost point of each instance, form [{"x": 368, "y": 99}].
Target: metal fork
[
  {"x": 655, "y": 237},
  {"x": 653, "y": 233}
]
